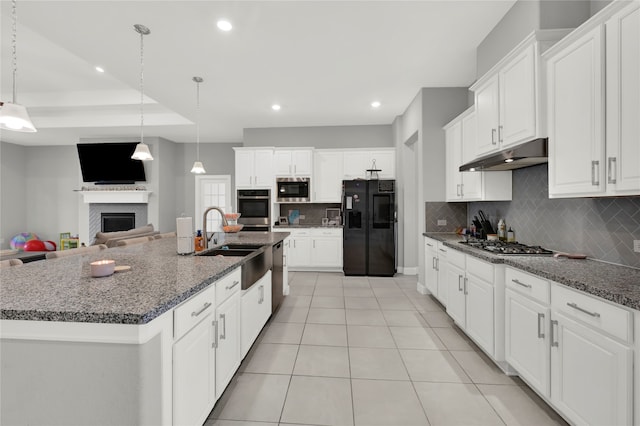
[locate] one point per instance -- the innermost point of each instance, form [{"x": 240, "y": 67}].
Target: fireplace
[{"x": 111, "y": 222}]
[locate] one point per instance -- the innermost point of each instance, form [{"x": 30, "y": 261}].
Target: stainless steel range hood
[{"x": 525, "y": 155}]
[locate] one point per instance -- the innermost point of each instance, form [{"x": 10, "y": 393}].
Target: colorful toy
[
  {"x": 18, "y": 241},
  {"x": 37, "y": 245}
]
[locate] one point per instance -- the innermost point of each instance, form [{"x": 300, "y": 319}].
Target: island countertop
[
  {"x": 615, "y": 283},
  {"x": 63, "y": 289}
]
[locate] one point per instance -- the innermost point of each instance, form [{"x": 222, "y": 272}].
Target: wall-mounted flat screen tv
[{"x": 110, "y": 163}]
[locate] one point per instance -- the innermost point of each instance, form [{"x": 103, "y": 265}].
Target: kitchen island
[{"x": 83, "y": 350}]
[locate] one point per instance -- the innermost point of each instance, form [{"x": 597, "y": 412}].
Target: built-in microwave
[{"x": 293, "y": 190}]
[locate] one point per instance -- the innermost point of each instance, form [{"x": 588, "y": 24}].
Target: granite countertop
[
  {"x": 63, "y": 289},
  {"x": 616, "y": 283}
]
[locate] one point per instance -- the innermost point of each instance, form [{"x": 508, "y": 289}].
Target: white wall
[
  {"x": 13, "y": 202},
  {"x": 321, "y": 137}
]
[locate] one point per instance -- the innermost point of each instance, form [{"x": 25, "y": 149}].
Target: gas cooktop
[{"x": 501, "y": 247}]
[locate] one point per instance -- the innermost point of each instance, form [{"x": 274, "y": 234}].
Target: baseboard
[
  {"x": 422, "y": 289},
  {"x": 408, "y": 271}
]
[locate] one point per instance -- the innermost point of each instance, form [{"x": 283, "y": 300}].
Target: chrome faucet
[{"x": 204, "y": 224}]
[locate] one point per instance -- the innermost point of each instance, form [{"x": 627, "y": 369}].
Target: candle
[{"x": 102, "y": 268}]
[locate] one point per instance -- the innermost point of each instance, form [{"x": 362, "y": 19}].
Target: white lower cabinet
[
  {"x": 573, "y": 349},
  {"x": 255, "y": 311},
  {"x": 435, "y": 263},
  {"x": 315, "y": 249},
  {"x": 227, "y": 342}
]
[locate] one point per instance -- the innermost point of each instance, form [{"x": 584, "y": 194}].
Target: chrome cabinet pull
[
  {"x": 261, "y": 295},
  {"x": 540, "y": 326},
  {"x": 458, "y": 190},
  {"x": 521, "y": 283},
  {"x": 443, "y": 250},
  {"x": 235, "y": 283},
  {"x": 223, "y": 317},
  {"x": 284, "y": 261},
  {"x": 462, "y": 189},
  {"x": 493, "y": 136},
  {"x": 459, "y": 285},
  {"x": 611, "y": 175},
  {"x": 437, "y": 264},
  {"x": 204, "y": 308},
  {"x": 433, "y": 263},
  {"x": 430, "y": 245},
  {"x": 466, "y": 281},
  {"x": 554, "y": 342},
  {"x": 595, "y": 180},
  {"x": 215, "y": 334},
  {"x": 500, "y": 128},
  {"x": 576, "y": 307}
]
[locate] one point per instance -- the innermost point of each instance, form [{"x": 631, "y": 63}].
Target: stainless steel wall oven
[{"x": 255, "y": 208}]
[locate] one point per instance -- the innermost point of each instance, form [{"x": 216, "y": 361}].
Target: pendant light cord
[
  {"x": 14, "y": 52},
  {"x": 198, "y": 120},
  {"x": 141, "y": 87}
]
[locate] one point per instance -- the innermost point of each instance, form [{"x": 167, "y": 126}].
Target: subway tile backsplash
[{"x": 602, "y": 228}]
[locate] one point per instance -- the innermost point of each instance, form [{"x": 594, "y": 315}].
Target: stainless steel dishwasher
[{"x": 276, "y": 277}]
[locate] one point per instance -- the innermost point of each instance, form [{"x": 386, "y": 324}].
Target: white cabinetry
[
  {"x": 592, "y": 153},
  {"x": 358, "y": 161},
  {"x": 460, "y": 136},
  {"x": 254, "y": 167},
  {"x": 293, "y": 162},
  {"x": 327, "y": 176},
  {"x": 436, "y": 269},
  {"x": 315, "y": 249},
  {"x": 475, "y": 300},
  {"x": 255, "y": 311},
  {"x": 194, "y": 358},
  {"x": 227, "y": 341}
]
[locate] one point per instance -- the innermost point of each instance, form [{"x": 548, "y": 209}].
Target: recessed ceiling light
[
  {"x": 275, "y": 107},
  {"x": 224, "y": 25},
  {"x": 99, "y": 69},
  {"x": 508, "y": 160},
  {"x": 375, "y": 104}
]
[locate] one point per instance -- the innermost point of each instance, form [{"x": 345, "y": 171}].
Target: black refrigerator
[{"x": 369, "y": 241}]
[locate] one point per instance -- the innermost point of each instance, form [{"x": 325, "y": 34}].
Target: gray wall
[
  {"x": 321, "y": 137},
  {"x": 524, "y": 17},
  {"x": 13, "y": 161},
  {"x": 602, "y": 228},
  {"x": 167, "y": 183}
]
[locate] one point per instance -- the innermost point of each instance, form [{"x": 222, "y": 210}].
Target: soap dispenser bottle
[
  {"x": 502, "y": 230},
  {"x": 197, "y": 242}
]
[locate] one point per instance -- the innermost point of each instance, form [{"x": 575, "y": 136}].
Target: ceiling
[{"x": 323, "y": 61}]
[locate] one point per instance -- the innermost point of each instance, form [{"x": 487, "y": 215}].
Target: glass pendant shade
[
  {"x": 198, "y": 168},
  {"x": 142, "y": 152},
  {"x": 15, "y": 117}
]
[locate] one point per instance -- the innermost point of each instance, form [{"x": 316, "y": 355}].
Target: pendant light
[
  {"x": 198, "y": 168},
  {"x": 142, "y": 150},
  {"x": 14, "y": 116}
]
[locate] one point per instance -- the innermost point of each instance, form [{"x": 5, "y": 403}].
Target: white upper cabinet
[
  {"x": 592, "y": 153},
  {"x": 508, "y": 98},
  {"x": 460, "y": 137},
  {"x": 254, "y": 167},
  {"x": 358, "y": 161},
  {"x": 294, "y": 162},
  {"x": 327, "y": 176}
]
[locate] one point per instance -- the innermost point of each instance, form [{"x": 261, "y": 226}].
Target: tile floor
[{"x": 368, "y": 351}]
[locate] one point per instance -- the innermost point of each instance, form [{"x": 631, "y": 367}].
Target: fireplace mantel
[{"x": 111, "y": 197}]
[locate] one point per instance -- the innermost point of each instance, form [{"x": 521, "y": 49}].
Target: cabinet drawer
[
  {"x": 456, "y": 258},
  {"x": 480, "y": 269},
  {"x": 327, "y": 232},
  {"x": 191, "y": 311},
  {"x": 528, "y": 284},
  {"x": 599, "y": 314},
  {"x": 228, "y": 285},
  {"x": 430, "y": 243}
]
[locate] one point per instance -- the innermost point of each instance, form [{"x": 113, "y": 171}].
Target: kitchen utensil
[
  {"x": 570, "y": 255},
  {"x": 486, "y": 225}
]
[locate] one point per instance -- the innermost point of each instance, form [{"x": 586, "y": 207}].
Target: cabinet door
[
  {"x": 301, "y": 162},
  {"x": 471, "y": 181},
  {"x": 487, "y": 100},
  {"x": 249, "y": 318},
  {"x": 453, "y": 138},
  {"x": 263, "y": 169},
  {"x": 300, "y": 251},
  {"x": 575, "y": 117},
  {"x": 518, "y": 99},
  {"x": 591, "y": 375},
  {"x": 385, "y": 161},
  {"x": 623, "y": 101},
  {"x": 228, "y": 350},
  {"x": 244, "y": 168},
  {"x": 354, "y": 164},
  {"x": 285, "y": 267},
  {"x": 480, "y": 312},
  {"x": 328, "y": 173},
  {"x": 456, "y": 299},
  {"x": 527, "y": 340},
  {"x": 194, "y": 375},
  {"x": 282, "y": 163},
  {"x": 431, "y": 271},
  {"x": 442, "y": 267},
  {"x": 326, "y": 252}
]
